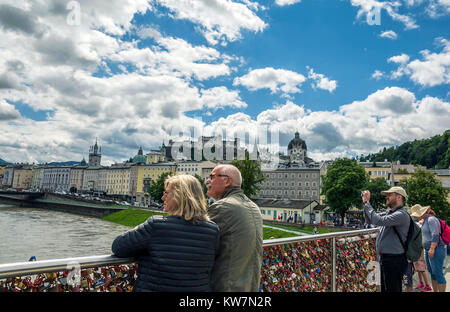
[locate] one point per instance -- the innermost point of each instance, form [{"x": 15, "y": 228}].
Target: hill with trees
[
  {"x": 3, "y": 162},
  {"x": 431, "y": 153}
]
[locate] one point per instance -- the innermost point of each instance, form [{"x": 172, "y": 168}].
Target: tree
[
  {"x": 425, "y": 189},
  {"x": 202, "y": 183},
  {"x": 252, "y": 175},
  {"x": 342, "y": 185},
  {"x": 376, "y": 186},
  {"x": 156, "y": 188}
]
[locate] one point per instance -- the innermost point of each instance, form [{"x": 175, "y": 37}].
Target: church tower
[
  {"x": 95, "y": 155},
  {"x": 297, "y": 150}
]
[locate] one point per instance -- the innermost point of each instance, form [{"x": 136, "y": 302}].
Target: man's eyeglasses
[{"x": 212, "y": 175}]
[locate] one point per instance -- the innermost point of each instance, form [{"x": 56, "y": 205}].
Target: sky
[{"x": 351, "y": 76}]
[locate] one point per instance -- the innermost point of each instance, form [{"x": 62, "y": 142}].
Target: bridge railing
[{"x": 338, "y": 262}]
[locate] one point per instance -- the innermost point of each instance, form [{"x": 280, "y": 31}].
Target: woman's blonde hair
[{"x": 189, "y": 198}]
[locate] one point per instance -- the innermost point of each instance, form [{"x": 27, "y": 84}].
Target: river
[{"x": 46, "y": 234}]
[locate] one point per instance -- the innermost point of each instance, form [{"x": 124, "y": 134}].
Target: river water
[{"x": 46, "y": 234}]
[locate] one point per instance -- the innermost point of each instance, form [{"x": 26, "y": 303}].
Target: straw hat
[{"x": 417, "y": 211}]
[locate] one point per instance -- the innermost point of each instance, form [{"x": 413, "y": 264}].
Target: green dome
[{"x": 139, "y": 159}]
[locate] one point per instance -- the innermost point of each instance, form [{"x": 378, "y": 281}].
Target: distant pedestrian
[
  {"x": 421, "y": 268},
  {"x": 389, "y": 248},
  {"x": 238, "y": 265},
  {"x": 175, "y": 252},
  {"x": 433, "y": 244}
]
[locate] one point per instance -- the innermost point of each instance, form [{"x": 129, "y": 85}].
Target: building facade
[
  {"x": 118, "y": 180},
  {"x": 22, "y": 177},
  {"x": 292, "y": 211},
  {"x": 76, "y": 178},
  {"x": 90, "y": 179},
  {"x": 297, "y": 177},
  {"x": 56, "y": 178},
  {"x": 291, "y": 183},
  {"x": 150, "y": 172},
  {"x": 37, "y": 179},
  {"x": 8, "y": 175}
]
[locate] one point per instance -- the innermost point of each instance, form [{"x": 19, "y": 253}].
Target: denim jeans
[{"x": 435, "y": 264}]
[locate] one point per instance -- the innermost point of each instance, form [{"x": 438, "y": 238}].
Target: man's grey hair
[{"x": 233, "y": 172}]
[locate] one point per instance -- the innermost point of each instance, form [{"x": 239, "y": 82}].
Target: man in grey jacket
[
  {"x": 238, "y": 265},
  {"x": 389, "y": 249}
]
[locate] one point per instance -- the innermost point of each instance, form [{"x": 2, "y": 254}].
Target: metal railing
[{"x": 274, "y": 250}]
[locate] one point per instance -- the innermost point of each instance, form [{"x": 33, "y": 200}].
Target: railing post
[{"x": 334, "y": 266}]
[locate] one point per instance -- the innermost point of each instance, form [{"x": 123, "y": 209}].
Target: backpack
[
  {"x": 413, "y": 244},
  {"x": 445, "y": 231}
]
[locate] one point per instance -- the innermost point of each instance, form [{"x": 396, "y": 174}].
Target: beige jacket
[{"x": 238, "y": 265}]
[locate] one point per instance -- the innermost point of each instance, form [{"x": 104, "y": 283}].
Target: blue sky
[{"x": 130, "y": 72}]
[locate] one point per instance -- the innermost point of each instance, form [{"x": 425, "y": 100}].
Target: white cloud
[
  {"x": 377, "y": 74},
  {"x": 391, "y": 100},
  {"x": 389, "y": 34},
  {"x": 368, "y": 7},
  {"x": 400, "y": 59},
  {"x": 8, "y": 111},
  {"x": 220, "y": 97},
  {"x": 321, "y": 82},
  {"x": 286, "y": 2},
  {"x": 385, "y": 118},
  {"x": 277, "y": 80},
  {"x": 433, "y": 70},
  {"x": 175, "y": 56},
  {"x": 220, "y": 21},
  {"x": 438, "y": 8}
]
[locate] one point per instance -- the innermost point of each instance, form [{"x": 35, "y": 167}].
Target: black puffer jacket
[{"x": 173, "y": 254}]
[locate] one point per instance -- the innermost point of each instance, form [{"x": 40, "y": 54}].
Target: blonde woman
[{"x": 175, "y": 252}]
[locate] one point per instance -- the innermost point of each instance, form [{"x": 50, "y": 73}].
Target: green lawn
[
  {"x": 133, "y": 216},
  {"x": 130, "y": 217}
]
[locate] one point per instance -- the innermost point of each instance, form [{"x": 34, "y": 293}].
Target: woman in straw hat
[
  {"x": 433, "y": 245},
  {"x": 175, "y": 252}
]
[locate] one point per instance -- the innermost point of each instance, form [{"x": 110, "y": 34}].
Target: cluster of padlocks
[
  {"x": 307, "y": 266},
  {"x": 105, "y": 279},
  {"x": 353, "y": 268},
  {"x": 297, "y": 267}
]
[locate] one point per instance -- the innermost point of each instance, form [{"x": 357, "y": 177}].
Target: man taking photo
[{"x": 389, "y": 248}]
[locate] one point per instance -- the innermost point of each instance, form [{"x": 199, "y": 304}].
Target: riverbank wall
[{"x": 62, "y": 205}]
